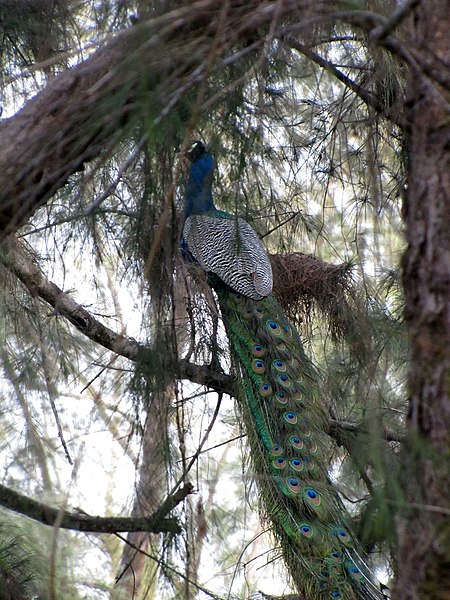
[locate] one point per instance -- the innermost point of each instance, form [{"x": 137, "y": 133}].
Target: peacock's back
[{"x": 228, "y": 247}]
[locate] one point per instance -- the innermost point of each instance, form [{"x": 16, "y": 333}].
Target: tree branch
[
  {"x": 370, "y": 99},
  {"x": 156, "y": 523},
  {"x": 340, "y": 430},
  {"x": 144, "y": 70},
  {"x": 14, "y": 258}
]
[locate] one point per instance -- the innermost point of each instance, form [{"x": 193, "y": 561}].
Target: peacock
[{"x": 279, "y": 399}]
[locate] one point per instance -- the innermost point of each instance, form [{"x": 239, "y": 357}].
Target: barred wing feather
[{"x": 229, "y": 248}]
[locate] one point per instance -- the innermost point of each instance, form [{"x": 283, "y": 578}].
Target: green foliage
[
  {"x": 19, "y": 568},
  {"x": 25, "y": 561}
]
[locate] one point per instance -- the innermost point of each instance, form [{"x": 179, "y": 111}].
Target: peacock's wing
[{"x": 229, "y": 248}]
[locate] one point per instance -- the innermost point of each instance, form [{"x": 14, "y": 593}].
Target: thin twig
[
  {"x": 367, "y": 97},
  {"x": 205, "y": 437},
  {"x": 112, "y": 186},
  {"x": 233, "y": 439},
  {"x": 52, "y": 397},
  {"x": 163, "y": 564}
]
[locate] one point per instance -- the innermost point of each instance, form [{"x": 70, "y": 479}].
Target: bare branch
[
  {"x": 17, "y": 261},
  {"x": 155, "y": 523}
]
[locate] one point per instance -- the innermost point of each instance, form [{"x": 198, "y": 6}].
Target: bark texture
[
  {"x": 142, "y": 73},
  {"x": 424, "y": 527}
]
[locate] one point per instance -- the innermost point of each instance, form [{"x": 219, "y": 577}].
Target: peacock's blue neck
[{"x": 198, "y": 196}]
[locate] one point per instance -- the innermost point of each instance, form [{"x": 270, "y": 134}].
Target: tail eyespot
[
  {"x": 258, "y": 366},
  {"x": 265, "y": 389},
  {"x": 290, "y": 417}
]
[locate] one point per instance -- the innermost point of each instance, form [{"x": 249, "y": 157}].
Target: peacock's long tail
[{"x": 286, "y": 425}]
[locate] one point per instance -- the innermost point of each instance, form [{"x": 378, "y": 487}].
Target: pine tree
[{"x": 329, "y": 124}]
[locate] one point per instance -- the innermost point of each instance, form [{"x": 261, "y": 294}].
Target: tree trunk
[{"x": 424, "y": 529}]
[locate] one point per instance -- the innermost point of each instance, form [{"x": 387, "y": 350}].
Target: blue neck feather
[{"x": 198, "y": 197}]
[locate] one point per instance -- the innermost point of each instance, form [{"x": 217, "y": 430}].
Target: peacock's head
[{"x": 195, "y": 151}]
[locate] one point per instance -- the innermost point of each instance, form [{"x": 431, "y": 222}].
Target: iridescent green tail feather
[{"x": 286, "y": 425}]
